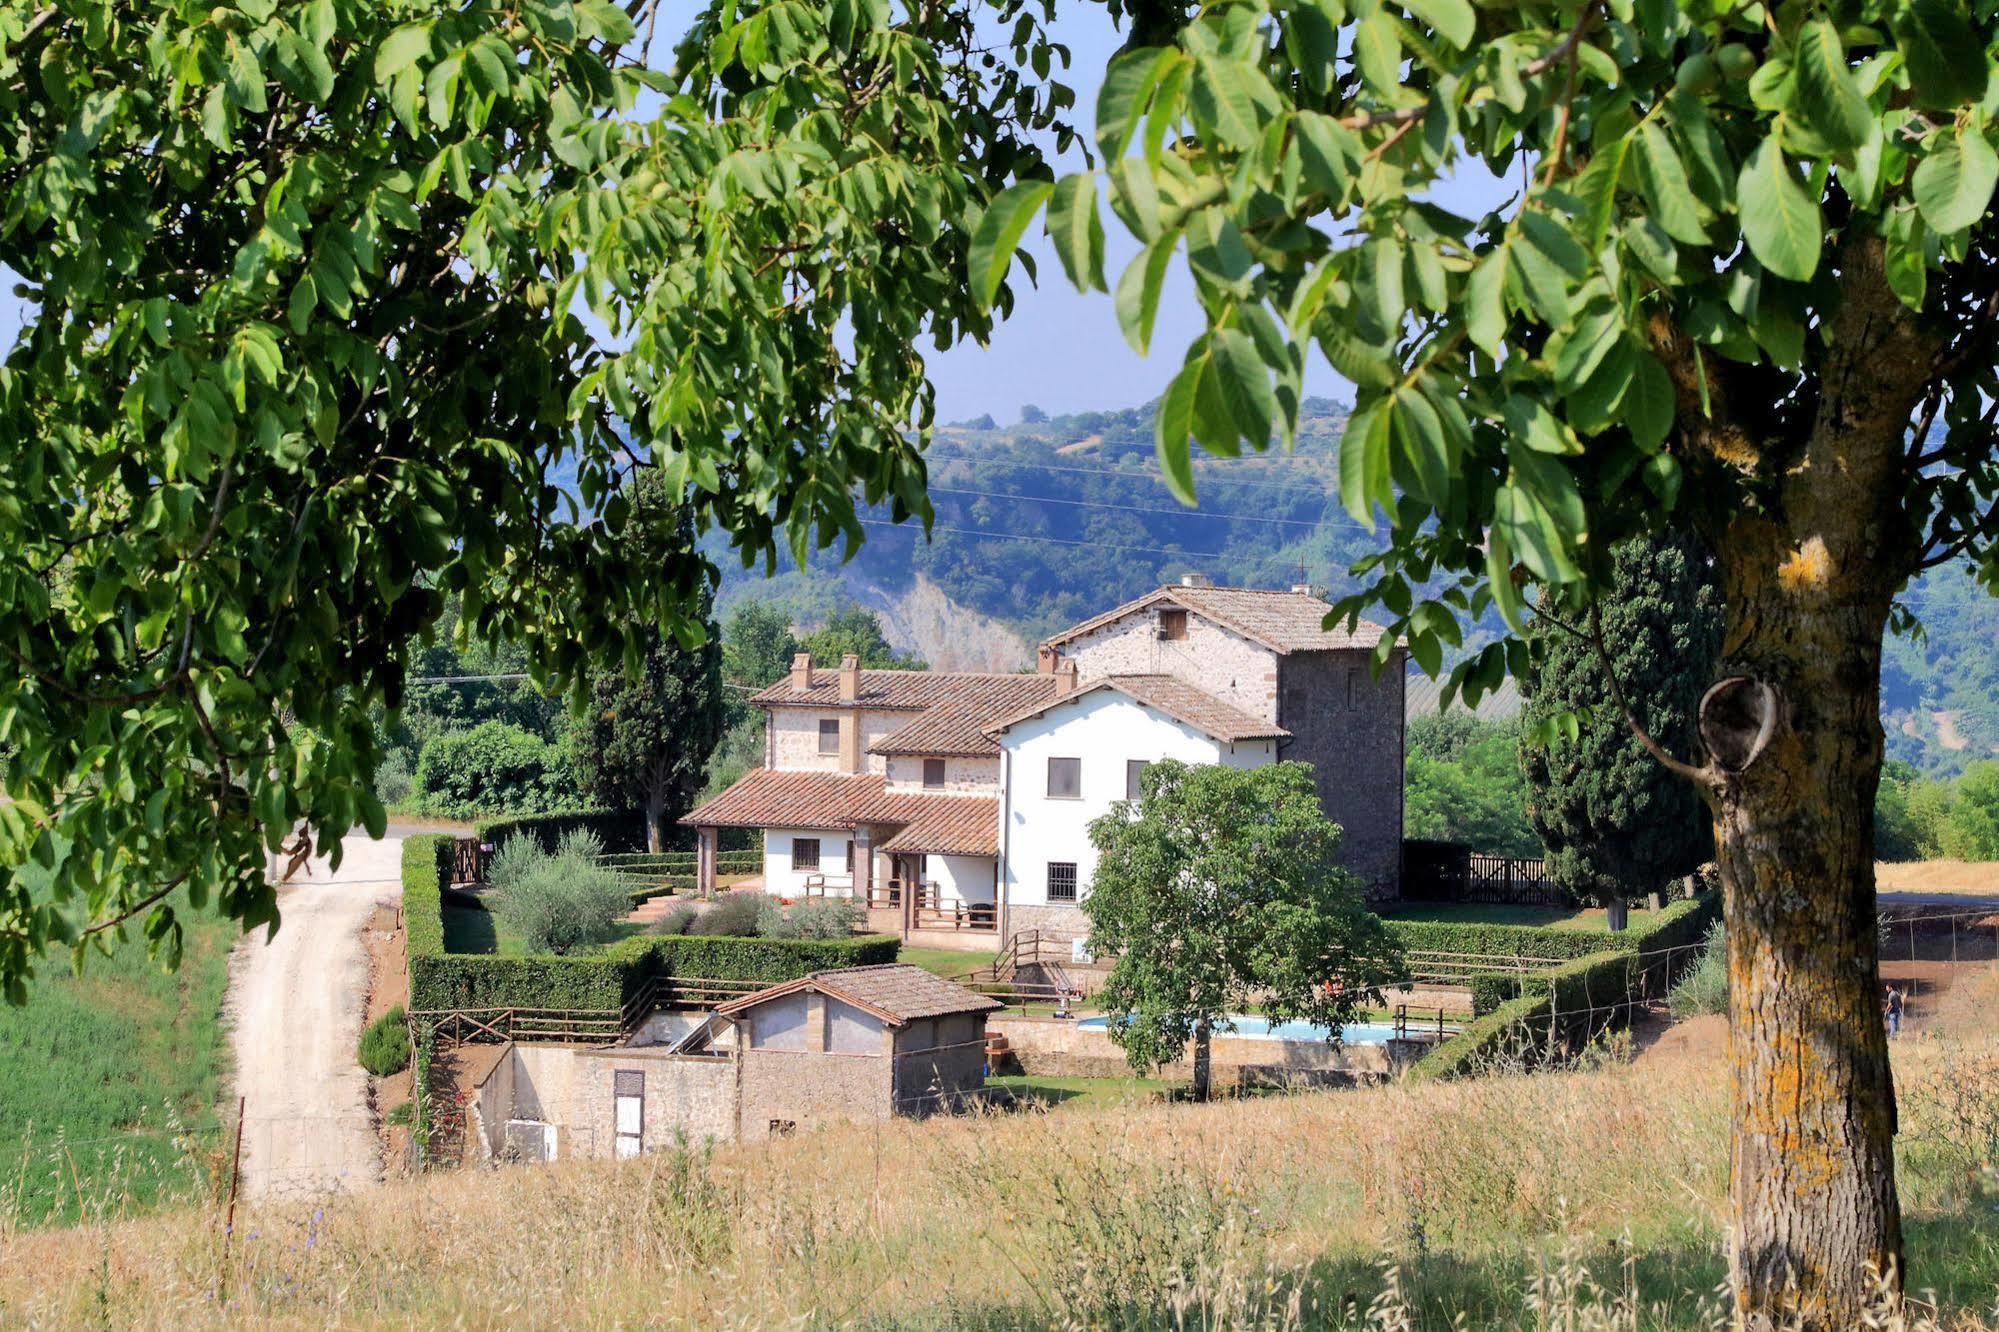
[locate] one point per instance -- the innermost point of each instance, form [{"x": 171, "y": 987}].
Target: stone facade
[
  {"x": 1217, "y": 660},
  {"x": 966, "y": 776},
  {"x": 809, "y": 1089},
  {"x": 1348, "y": 725},
  {"x": 938, "y": 1063},
  {"x": 792, "y": 739},
  {"x": 1056, "y": 922},
  {"x": 572, "y": 1089}
]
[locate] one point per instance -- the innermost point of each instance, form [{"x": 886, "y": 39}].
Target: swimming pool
[{"x": 1250, "y": 1027}]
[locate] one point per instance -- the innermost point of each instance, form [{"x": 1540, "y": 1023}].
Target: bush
[
  {"x": 814, "y": 918},
  {"x": 733, "y": 915},
  {"x": 492, "y": 767},
  {"x": 1704, "y": 988},
  {"x": 385, "y": 1044},
  {"x": 619, "y": 831},
  {"x": 1680, "y": 923},
  {"x": 1559, "y": 1012},
  {"x": 677, "y": 920},
  {"x": 393, "y": 783},
  {"x": 557, "y": 902}
]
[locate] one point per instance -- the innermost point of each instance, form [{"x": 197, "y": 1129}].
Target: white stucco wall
[
  {"x": 967, "y": 878},
  {"x": 1105, "y": 730},
  {"x": 781, "y": 880}
]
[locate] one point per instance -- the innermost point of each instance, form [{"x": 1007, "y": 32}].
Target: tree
[
  {"x": 1897, "y": 837},
  {"x": 1736, "y": 280},
  {"x": 1615, "y": 822},
  {"x": 1462, "y": 784},
  {"x": 493, "y": 768},
  {"x": 757, "y": 645},
  {"x": 1219, "y": 890},
  {"x": 306, "y": 351},
  {"x": 857, "y": 631}
]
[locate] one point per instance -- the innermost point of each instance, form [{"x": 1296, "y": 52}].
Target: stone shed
[
  {"x": 855, "y": 1044},
  {"x": 858, "y": 1043}
]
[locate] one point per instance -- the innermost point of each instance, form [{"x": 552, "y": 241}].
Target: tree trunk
[
  {"x": 655, "y": 814},
  {"x": 1813, "y": 1208},
  {"x": 1202, "y": 1062},
  {"x": 1616, "y": 911}
]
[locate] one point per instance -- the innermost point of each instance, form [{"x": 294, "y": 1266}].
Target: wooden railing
[
  {"x": 1512, "y": 881},
  {"x": 468, "y": 861},
  {"x": 1431, "y": 1019}
]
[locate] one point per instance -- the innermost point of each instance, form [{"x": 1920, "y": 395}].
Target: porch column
[
  {"x": 864, "y": 865},
  {"x": 704, "y": 861}
]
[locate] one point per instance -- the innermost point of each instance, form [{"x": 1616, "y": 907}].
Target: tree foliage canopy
[{"x": 1220, "y": 891}]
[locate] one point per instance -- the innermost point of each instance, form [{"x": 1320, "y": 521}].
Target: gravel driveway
[{"x": 295, "y": 1005}]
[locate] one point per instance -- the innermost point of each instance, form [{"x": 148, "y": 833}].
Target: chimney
[
  {"x": 1196, "y": 580},
  {"x": 801, "y": 671},
  {"x": 850, "y": 678},
  {"x": 1045, "y": 658},
  {"x": 1305, "y": 589},
  {"x": 1065, "y": 679}
]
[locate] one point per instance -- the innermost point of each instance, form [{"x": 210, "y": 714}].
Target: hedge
[
  {"x": 440, "y": 981},
  {"x": 1564, "y": 1008},
  {"x": 1540, "y": 942},
  {"x": 681, "y": 862},
  {"x": 617, "y": 830}
]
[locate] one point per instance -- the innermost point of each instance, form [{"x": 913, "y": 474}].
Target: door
[{"x": 628, "y": 1087}]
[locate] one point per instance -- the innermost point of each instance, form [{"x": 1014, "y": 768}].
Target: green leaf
[
  {"x": 1453, "y": 20},
  {"x": 1364, "y": 470},
  {"x": 1485, "y": 303},
  {"x": 1662, "y": 178},
  {"x": 1233, "y": 98},
  {"x": 1829, "y": 100},
  {"x": 1945, "y": 56},
  {"x": 998, "y": 234},
  {"x": 1137, "y": 296},
  {"x": 1077, "y": 231},
  {"x": 401, "y": 49},
  {"x": 1649, "y": 404},
  {"x": 1244, "y": 382},
  {"x": 1128, "y": 84},
  {"x": 1173, "y": 425},
  {"x": 1953, "y": 183},
  {"x": 1905, "y": 246},
  {"x": 1422, "y": 446},
  {"x": 1779, "y": 220},
  {"x": 1377, "y": 50}
]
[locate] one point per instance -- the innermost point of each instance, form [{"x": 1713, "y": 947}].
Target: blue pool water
[{"x": 1252, "y": 1028}]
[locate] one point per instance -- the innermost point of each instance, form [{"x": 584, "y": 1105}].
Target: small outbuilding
[{"x": 854, "y": 1044}]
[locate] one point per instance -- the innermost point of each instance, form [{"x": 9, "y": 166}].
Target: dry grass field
[
  {"x": 1972, "y": 877},
  {"x": 1594, "y": 1194}
]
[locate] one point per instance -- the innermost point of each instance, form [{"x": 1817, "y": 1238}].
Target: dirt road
[{"x": 295, "y": 1006}]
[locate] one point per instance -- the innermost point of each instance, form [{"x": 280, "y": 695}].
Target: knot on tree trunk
[{"x": 1738, "y": 716}]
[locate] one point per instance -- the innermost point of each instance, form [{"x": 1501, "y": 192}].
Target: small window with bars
[
  {"x": 933, "y": 774},
  {"x": 1061, "y": 880},
  {"x": 805, "y": 853}
]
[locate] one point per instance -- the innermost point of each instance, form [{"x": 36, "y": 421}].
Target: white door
[
  {"x": 548, "y": 1142},
  {"x": 628, "y": 1091}
]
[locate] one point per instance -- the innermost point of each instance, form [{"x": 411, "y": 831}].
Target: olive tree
[{"x": 1739, "y": 281}]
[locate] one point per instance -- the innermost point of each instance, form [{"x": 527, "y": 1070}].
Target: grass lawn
[
  {"x": 946, "y": 961},
  {"x": 109, "y": 1080},
  {"x": 1082, "y": 1092},
  {"x": 1554, "y": 918}
]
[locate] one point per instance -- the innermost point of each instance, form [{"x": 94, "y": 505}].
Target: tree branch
[{"x": 1701, "y": 776}]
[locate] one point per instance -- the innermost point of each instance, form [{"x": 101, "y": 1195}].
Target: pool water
[{"x": 1249, "y": 1027}]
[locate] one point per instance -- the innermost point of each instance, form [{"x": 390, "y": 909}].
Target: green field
[
  {"x": 946, "y": 962},
  {"x": 109, "y": 1081},
  {"x": 1554, "y": 918}
]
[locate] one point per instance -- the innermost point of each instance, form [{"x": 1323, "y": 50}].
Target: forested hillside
[{"x": 1051, "y": 519}]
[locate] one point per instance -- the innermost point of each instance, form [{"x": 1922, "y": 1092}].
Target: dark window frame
[
  {"x": 1173, "y": 625},
  {"x": 941, "y": 771},
  {"x": 1133, "y": 770},
  {"x": 799, "y": 864},
  {"x": 1067, "y": 869},
  {"x": 1074, "y": 794}
]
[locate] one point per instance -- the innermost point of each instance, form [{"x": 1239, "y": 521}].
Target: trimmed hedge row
[
  {"x": 1563, "y": 1008},
  {"x": 1540, "y": 942},
  {"x": 618, "y": 830},
  {"x": 682, "y": 862},
  {"x": 597, "y": 981}
]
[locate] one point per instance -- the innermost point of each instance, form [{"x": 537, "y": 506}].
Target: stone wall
[
  {"x": 939, "y": 1063},
  {"x": 810, "y": 1090},
  {"x": 1055, "y": 922},
  {"x": 1349, "y": 726},
  {"x": 573, "y": 1088},
  {"x": 1215, "y": 659},
  {"x": 961, "y": 775}
]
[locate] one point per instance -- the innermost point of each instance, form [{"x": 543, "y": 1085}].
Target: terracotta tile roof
[
  {"x": 913, "y": 691},
  {"x": 946, "y": 730},
  {"x": 949, "y": 825},
  {"x": 896, "y": 992},
  {"x": 1177, "y": 699},
  {"x": 961, "y": 825},
  {"x": 1284, "y": 622}
]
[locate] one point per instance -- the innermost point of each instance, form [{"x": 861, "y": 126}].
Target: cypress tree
[{"x": 1615, "y": 822}]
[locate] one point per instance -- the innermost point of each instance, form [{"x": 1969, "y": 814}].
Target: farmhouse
[
  {"x": 958, "y": 803},
  {"x": 855, "y": 1044}
]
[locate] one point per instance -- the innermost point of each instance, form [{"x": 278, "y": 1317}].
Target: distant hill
[{"x": 1051, "y": 519}]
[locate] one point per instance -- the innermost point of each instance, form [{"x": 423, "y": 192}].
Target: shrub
[
  {"x": 733, "y": 915},
  {"x": 677, "y": 920},
  {"x": 814, "y": 918},
  {"x": 620, "y": 831},
  {"x": 557, "y": 902},
  {"x": 1704, "y": 988},
  {"x": 385, "y": 1044},
  {"x": 393, "y": 783},
  {"x": 492, "y": 767},
  {"x": 1559, "y": 1011}
]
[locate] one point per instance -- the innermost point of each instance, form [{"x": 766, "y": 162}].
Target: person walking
[{"x": 1893, "y": 1009}]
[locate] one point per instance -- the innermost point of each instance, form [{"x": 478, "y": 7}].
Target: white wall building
[{"x": 959, "y": 804}]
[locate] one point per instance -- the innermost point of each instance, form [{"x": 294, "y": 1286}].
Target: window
[
  {"x": 628, "y": 1089},
  {"x": 829, "y": 735},
  {"x": 1173, "y": 625},
  {"x": 1061, "y": 880},
  {"x": 1133, "y": 770},
  {"x": 1065, "y": 779},
  {"x": 933, "y": 774},
  {"x": 1355, "y": 688},
  {"x": 850, "y": 857},
  {"x": 805, "y": 853}
]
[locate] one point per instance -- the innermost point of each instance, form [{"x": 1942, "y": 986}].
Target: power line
[
  {"x": 1053, "y": 541},
  {"x": 1130, "y": 508}
]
